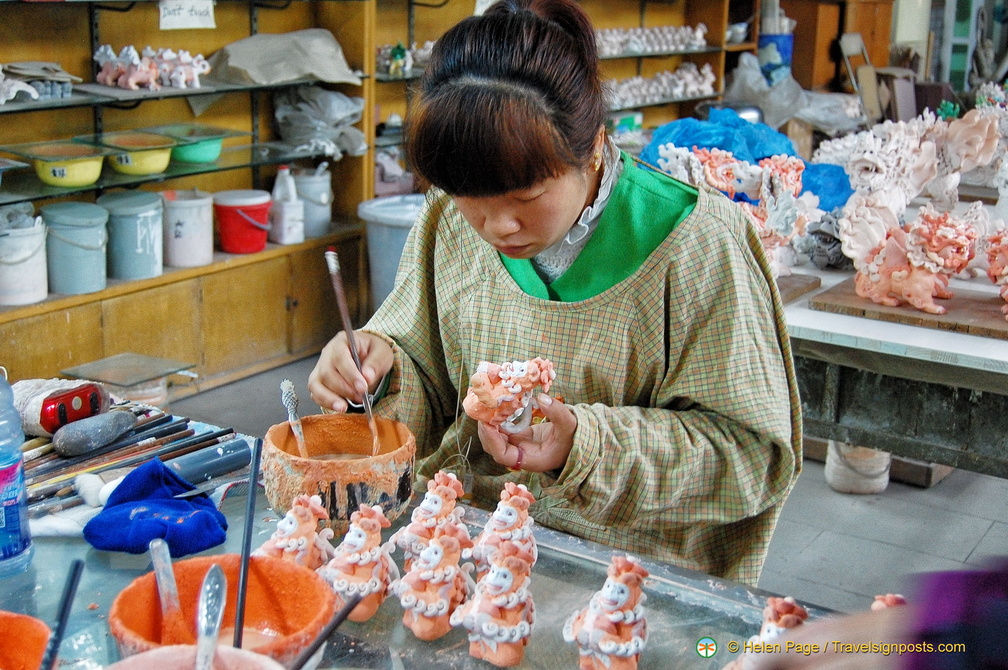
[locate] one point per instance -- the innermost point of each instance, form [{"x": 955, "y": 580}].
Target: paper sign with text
[{"x": 179, "y": 14}]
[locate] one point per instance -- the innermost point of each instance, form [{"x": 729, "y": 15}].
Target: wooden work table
[{"x": 920, "y": 392}]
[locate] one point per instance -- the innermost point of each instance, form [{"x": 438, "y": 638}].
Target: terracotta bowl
[
  {"x": 23, "y": 640},
  {"x": 343, "y": 485},
  {"x": 286, "y": 606},
  {"x": 183, "y": 657}
]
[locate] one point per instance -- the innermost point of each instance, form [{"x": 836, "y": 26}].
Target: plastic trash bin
[{"x": 388, "y": 220}]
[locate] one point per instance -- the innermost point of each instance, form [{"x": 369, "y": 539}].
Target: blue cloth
[
  {"x": 144, "y": 507},
  {"x": 749, "y": 142}
]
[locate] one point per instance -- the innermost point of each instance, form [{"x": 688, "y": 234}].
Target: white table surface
[{"x": 960, "y": 350}]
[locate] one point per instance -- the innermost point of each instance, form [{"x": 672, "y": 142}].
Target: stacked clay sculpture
[
  {"x": 436, "y": 584},
  {"x": 509, "y": 522},
  {"x": 437, "y": 509},
  {"x": 501, "y": 395}
]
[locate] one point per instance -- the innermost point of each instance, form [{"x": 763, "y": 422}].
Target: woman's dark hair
[{"x": 509, "y": 98}]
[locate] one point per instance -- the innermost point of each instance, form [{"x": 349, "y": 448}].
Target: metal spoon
[
  {"x": 172, "y": 622},
  {"x": 210, "y": 612}
]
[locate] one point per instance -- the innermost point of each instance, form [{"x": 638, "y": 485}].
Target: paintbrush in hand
[
  {"x": 290, "y": 401},
  {"x": 332, "y": 260}
]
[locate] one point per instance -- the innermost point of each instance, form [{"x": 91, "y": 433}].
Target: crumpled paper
[{"x": 274, "y": 58}]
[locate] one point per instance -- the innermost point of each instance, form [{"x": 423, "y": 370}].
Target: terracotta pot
[
  {"x": 286, "y": 606},
  {"x": 385, "y": 480},
  {"x": 23, "y": 640},
  {"x": 183, "y": 657}
]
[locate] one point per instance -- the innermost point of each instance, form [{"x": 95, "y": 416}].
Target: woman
[{"x": 678, "y": 435}]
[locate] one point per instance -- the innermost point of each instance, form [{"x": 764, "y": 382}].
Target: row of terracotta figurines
[{"x": 450, "y": 579}]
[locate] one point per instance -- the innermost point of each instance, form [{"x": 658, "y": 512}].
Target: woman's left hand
[{"x": 539, "y": 448}]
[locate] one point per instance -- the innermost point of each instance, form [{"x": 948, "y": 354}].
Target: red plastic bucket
[{"x": 242, "y": 220}]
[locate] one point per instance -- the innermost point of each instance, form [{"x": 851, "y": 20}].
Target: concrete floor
[{"x": 831, "y": 549}]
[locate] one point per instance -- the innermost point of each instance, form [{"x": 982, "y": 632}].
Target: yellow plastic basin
[
  {"x": 72, "y": 165},
  {"x": 150, "y": 161}
]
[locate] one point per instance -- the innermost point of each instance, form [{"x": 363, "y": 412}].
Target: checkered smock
[{"x": 681, "y": 378}]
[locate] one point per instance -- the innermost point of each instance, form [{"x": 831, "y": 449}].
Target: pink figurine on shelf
[
  {"x": 435, "y": 510},
  {"x": 509, "y": 522},
  {"x": 997, "y": 265},
  {"x": 885, "y": 601},
  {"x": 435, "y": 584},
  {"x": 297, "y": 538},
  {"x": 611, "y": 632},
  {"x": 500, "y": 615},
  {"x": 779, "y": 615},
  {"x": 362, "y": 565},
  {"x": 501, "y": 395}
]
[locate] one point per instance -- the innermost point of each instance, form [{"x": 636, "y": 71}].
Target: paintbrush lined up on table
[{"x": 52, "y": 480}]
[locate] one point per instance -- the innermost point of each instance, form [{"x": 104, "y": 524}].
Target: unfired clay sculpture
[
  {"x": 500, "y": 616},
  {"x": 362, "y": 565},
  {"x": 509, "y": 522},
  {"x": 297, "y": 538},
  {"x": 436, "y": 510},
  {"x": 501, "y": 395},
  {"x": 435, "y": 584},
  {"x": 611, "y": 632}
]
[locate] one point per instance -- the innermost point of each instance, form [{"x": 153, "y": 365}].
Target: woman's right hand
[{"x": 335, "y": 377}]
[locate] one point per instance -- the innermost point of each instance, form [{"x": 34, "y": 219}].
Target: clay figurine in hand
[
  {"x": 434, "y": 511},
  {"x": 499, "y": 617},
  {"x": 501, "y": 395},
  {"x": 297, "y": 538},
  {"x": 362, "y": 565},
  {"x": 885, "y": 601},
  {"x": 510, "y": 521},
  {"x": 611, "y": 631},
  {"x": 435, "y": 584}
]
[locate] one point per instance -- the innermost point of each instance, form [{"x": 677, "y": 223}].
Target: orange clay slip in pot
[
  {"x": 286, "y": 606},
  {"x": 341, "y": 468},
  {"x": 183, "y": 657},
  {"x": 23, "y": 641}
]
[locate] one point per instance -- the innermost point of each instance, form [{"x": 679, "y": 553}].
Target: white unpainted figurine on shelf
[
  {"x": 509, "y": 522},
  {"x": 297, "y": 537},
  {"x": 611, "y": 632},
  {"x": 436, "y": 583},
  {"x": 437, "y": 509},
  {"x": 501, "y": 614},
  {"x": 361, "y": 564}
]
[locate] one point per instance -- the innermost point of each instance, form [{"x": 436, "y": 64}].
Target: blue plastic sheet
[{"x": 749, "y": 142}]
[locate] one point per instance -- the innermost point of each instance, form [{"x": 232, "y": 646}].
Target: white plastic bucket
[
  {"x": 286, "y": 222},
  {"x": 75, "y": 246},
  {"x": 188, "y": 228},
  {"x": 24, "y": 278},
  {"x": 315, "y": 190},
  {"x": 135, "y": 248},
  {"x": 389, "y": 220}
]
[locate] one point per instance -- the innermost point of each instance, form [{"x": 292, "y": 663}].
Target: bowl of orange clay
[
  {"x": 183, "y": 657},
  {"x": 23, "y": 640},
  {"x": 286, "y": 607},
  {"x": 341, "y": 467}
]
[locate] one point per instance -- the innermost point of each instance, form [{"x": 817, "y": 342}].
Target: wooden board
[
  {"x": 795, "y": 286},
  {"x": 970, "y": 312}
]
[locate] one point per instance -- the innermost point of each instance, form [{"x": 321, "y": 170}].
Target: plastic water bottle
[
  {"x": 286, "y": 211},
  {"x": 16, "y": 547}
]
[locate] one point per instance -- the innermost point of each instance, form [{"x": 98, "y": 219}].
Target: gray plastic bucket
[
  {"x": 315, "y": 190},
  {"x": 135, "y": 248},
  {"x": 75, "y": 246},
  {"x": 23, "y": 276},
  {"x": 388, "y": 220}
]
